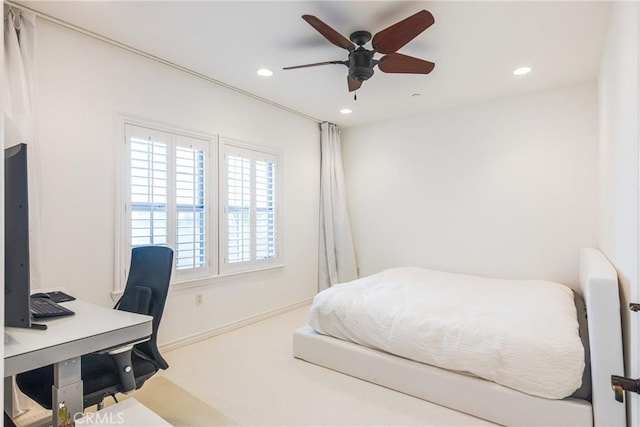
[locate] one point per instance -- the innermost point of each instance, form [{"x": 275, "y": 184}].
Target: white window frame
[
  {"x": 206, "y": 142},
  {"x": 255, "y": 153}
]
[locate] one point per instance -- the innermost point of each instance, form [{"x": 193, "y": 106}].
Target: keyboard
[{"x": 44, "y": 307}]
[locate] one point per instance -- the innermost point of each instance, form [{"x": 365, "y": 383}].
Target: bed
[{"x": 486, "y": 399}]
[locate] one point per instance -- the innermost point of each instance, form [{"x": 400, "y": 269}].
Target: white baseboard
[{"x": 232, "y": 326}]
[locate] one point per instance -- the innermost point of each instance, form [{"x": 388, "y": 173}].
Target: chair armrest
[{"x": 122, "y": 358}]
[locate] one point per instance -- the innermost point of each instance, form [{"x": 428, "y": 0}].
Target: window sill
[{"x": 210, "y": 280}]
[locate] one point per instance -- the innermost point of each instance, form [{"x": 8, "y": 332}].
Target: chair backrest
[{"x": 146, "y": 291}]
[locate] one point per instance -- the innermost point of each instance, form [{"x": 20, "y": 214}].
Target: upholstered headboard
[{"x": 599, "y": 286}]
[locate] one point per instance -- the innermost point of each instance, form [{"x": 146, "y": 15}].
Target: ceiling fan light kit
[{"x": 361, "y": 61}]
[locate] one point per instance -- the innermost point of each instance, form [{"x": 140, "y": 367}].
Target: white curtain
[
  {"x": 337, "y": 260},
  {"x": 19, "y": 120},
  {"x": 19, "y": 126}
]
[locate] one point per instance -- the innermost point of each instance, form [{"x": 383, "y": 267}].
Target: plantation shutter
[
  {"x": 265, "y": 210},
  {"x": 148, "y": 186},
  {"x": 249, "y": 215},
  {"x": 238, "y": 209},
  {"x": 168, "y": 202},
  {"x": 191, "y": 209}
]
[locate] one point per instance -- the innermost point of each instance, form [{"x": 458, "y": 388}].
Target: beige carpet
[{"x": 171, "y": 402}]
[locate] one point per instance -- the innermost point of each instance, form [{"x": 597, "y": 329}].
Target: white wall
[
  {"x": 619, "y": 158},
  {"x": 82, "y": 85},
  {"x": 504, "y": 189}
]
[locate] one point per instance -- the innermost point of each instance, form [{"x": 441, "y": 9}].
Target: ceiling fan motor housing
[{"x": 361, "y": 64}]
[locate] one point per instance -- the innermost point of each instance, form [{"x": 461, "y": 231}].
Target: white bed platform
[{"x": 485, "y": 399}]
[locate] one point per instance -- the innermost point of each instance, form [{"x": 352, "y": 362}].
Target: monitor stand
[{"x": 38, "y": 326}]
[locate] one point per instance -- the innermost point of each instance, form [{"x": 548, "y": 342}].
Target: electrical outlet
[{"x": 198, "y": 299}]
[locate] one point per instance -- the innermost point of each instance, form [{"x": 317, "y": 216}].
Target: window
[
  {"x": 219, "y": 217},
  {"x": 248, "y": 207},
  {"x": 191, "y": 224},
  {"x": 168, "y": 197}
]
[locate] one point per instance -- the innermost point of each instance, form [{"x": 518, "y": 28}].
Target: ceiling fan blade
[
  {"x": 329, "y": 33},
  {"x": 399, "y": 63},
  {"x": 353, "y": 83},
  {"x": 394, "y": 37},
  {"x": 317, "y": 64}
]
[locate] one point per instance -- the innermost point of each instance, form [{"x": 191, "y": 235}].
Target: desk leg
[{"x": 67, "y": 388}]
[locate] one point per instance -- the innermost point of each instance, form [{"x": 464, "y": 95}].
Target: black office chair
[{"x": 105, "y": 374}]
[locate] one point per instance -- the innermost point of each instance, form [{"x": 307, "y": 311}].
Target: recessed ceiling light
[
  {"x": 521, "y": 71},
  {"x": 346, "y": 111},
  {"x": 265, "y": 72}
]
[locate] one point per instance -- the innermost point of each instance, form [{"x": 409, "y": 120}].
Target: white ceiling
[{"x": 475, "y": 45}]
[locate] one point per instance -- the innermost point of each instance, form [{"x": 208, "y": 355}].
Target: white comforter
[{"x": 521, "y": 334}]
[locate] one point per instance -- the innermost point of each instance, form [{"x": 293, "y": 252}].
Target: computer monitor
[{"x": 16, "y": 238}]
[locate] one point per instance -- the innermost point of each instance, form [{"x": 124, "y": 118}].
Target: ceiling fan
[{"x": 387, "y": 42}]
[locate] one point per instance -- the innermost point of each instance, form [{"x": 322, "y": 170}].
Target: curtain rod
[{"x": 147, "y": 55}]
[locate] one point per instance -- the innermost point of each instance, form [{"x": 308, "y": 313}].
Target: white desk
[{"x": 92, "y": 328}]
